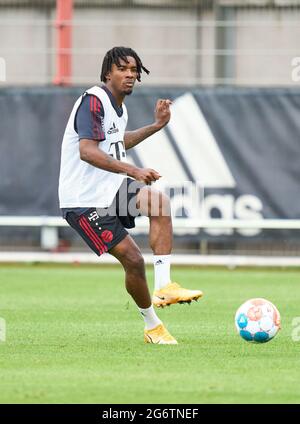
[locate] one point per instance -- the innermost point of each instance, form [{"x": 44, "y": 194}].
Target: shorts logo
[
  {"x": 93, "y": 216},
  {"x": 107, "y": 236}
]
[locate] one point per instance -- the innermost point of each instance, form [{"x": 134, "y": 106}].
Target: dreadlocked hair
[{"x": 114, "y": 55}]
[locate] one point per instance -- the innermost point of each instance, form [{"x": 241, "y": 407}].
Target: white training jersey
[{"x": 82, "y": 184}]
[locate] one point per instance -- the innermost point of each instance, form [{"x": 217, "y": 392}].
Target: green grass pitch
[{"x": 74, "y": 336}]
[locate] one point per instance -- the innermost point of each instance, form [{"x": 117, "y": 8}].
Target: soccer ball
[{"x": 257, "y": 320}]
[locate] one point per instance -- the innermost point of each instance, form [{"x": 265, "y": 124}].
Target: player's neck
[{"x": 119, "y": 98}]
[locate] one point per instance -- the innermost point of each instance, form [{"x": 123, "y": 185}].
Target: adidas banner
[{"x": 226, "y": 153}]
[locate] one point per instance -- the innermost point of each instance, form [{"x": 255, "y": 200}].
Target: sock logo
[{"x": 159, "y": 262}]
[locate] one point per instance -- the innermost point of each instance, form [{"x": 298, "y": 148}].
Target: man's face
[{"x": 122, "y": 78}]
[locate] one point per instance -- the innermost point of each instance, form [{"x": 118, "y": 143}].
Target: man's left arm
[{"x": 162, "y": 116}]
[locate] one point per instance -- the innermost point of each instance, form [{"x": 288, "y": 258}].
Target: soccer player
[{"x": 101, "y": 194}]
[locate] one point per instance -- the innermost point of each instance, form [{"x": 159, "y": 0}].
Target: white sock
[
  {"x": 150, "y": 317},
  {"x": 161, "y": 271}
]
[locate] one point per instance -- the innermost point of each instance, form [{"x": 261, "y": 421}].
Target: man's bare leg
[
  {"x": 129, "y": 255},
  {"x": 156, "y": 206}
]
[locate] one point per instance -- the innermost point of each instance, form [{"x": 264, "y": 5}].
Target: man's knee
[
  {"x": 160, "y": 205},
  {"x": 134, "y": 261},
  {"x": 154, "y": 203},
  {"x": 165, "y": 206}
]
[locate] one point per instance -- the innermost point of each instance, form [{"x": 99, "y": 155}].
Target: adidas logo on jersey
[{"x": 113, "y": 129}]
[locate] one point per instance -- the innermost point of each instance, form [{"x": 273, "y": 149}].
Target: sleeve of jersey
[{"x": 90, "y": 119}]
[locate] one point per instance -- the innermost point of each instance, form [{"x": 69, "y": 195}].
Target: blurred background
[{"x": 229, "y": 156}]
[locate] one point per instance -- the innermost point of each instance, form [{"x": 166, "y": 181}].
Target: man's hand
[
  {"x": 146, "y": 175},
  {"x": 162, "y": 112}
]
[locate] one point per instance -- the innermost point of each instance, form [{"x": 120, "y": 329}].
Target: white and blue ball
[{"x": 257, "y": 320}]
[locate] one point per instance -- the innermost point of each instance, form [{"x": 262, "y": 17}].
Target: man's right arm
[
  {"x": 90, "y": 153},
  {"x": 88, "y": 125}
]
